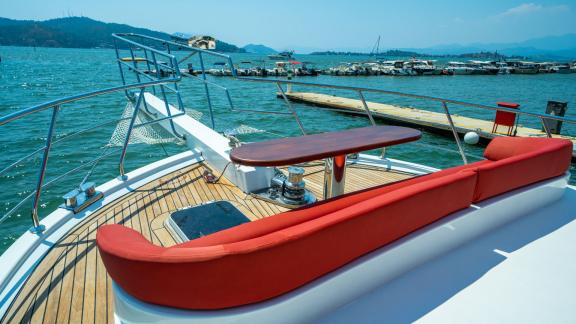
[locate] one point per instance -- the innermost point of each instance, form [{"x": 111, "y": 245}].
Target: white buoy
[{"x": 471, "y": 138}]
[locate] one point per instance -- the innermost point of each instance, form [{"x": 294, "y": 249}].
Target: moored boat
[
  {"x": 286, "y": 55},
  {"x": 562, "y": 68},
  {"x": 460, "y": 68},
  {"x": 525, "y": 68},
  {"x": 485, "y": 67}
]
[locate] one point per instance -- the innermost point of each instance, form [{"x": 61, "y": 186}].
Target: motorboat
[
  {"x": 485, "y": 67},
  {"x": 304, "y": 68},
  {"x": 299, "y": 229},
  {"x": 523, "y": 67},
  {"x": 423, "y": 67},
  {"x": 285, "y": 55},
  {"x": 399, "y": 68},
  {"x": 562, "y": 68},
  {"x": 460, "y": 68},
  {"x": 219, "y": 69},
  {"x": 503, "y": 68},
  {"x": 546, "y": 67}
]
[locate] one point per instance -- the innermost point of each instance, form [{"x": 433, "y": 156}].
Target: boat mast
[{"x": 376, "y": 48}]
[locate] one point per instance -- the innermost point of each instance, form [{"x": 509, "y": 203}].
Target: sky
[{"x": 324, "y": 24}]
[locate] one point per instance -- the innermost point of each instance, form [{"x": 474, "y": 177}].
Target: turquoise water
[{"x": 32, "y": 76}]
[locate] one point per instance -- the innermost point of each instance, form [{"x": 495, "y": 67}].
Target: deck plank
[
  {"x": 88, "y": 310},
  {"x": 70, "y": 284}
]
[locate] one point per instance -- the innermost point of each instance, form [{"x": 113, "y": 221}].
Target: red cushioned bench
[{"x": 263, "y": 259}]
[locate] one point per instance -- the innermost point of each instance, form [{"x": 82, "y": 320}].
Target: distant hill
[
  {"x": 259, "y": 49},
  {"x": 74, "y": 32},
  {"x": 552, "y": 47}
]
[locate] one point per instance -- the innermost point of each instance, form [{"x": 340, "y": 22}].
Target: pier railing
[{"x": 56, "y": 106}]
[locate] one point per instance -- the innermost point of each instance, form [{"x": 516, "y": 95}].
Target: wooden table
[{"x": 330, "y": 146}]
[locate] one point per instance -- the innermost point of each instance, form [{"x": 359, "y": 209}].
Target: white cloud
[{"x": 531, "y": 8}]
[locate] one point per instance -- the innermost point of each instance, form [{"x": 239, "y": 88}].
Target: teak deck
[
  {"x": 414, "y": 117},
  {"x": 70, "y": 285}
]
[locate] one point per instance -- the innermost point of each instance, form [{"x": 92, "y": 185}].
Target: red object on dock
[
  {"x": 504, "y": 118},
  {"x": 508, "y": 104}
]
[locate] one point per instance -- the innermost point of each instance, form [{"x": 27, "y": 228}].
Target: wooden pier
[{"x": 429, "y": 120}]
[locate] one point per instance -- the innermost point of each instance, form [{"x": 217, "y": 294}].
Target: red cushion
[
  {"x": 256, "y": 269},
  {"x": 520, "y": 161},
  {"x": 271, "y": 224}
]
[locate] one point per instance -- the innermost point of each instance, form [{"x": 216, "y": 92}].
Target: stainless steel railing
[
  {"x": 135, "y": 43},
  {"x": 56, "y": 106}
]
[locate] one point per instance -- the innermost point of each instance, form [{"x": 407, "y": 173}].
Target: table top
[{"x": 294, "y": 150}]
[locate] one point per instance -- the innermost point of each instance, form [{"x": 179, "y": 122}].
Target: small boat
[
  {"x": 525, "y": 68},
  {"x": 244, "y": 68},
  {"x": 133, "y": 59},
  {"x": 303, "y": 68},
  {"x": 562, "y": 68},
  {"x": 546, "y": 67},
  {"x": 423, "y": 67},
  {"x": 286, "y": 55},
  {"x": 218, "y": 70},
  {"x": 280, "y": 68},
  {"x": 485, "y": 67},
  {"x": 398, "y": 68},
  {"x": 460, "y": 68},
  {"x": 503, "y": 68}
]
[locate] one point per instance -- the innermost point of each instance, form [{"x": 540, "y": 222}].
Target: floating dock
[{"x": 429, "y": 120}]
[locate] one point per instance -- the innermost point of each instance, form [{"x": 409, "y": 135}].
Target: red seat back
[
  {"x": 256, "y": 269},
  {"x": 521, "y": 161}
]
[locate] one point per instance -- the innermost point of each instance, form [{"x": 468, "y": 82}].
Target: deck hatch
[{"x": 201, "y": 220}]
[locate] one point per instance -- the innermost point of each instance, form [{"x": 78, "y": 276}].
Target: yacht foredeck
[{"x": 71, "y": 284}]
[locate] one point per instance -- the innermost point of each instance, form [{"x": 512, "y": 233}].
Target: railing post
[
  {"x": 369, "y": 113},
  {"x": 292, "y": 110},
  {"x": 149, "y": 68},
  {"x": 456, "y": 137},
  {"x": 138, "y": 74},
  {"x": 36, "y": 227},
  {"x": 134, "y": 64},
  {"x": 232, "y": 69},
  {"x": 166, "y": 104},
  {"x": 129, "y": 133},
  {"x": 229, "y": 99},
  {"x": 206, "y": 90},
  {"x": 177, "y": 90},
  {"x": 120, "y": 67},
  {"x": 546, "y": 129}
]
